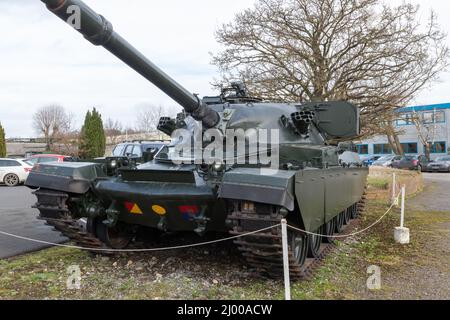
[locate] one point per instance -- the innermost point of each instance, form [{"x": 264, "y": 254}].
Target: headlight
[
  {"x": 112, "y": 164},
  {"x": 218, "y": 166}
]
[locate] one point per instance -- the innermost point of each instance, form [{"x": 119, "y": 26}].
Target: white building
[{"x": 435, "y": 127}]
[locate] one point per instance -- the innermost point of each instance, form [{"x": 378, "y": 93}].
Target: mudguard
[
  {"x": 321, "y": 194},
  {"x": 71, "y": 177},
  {"x": 258, "y": 185},
  {"x": 324, "y": 193}
]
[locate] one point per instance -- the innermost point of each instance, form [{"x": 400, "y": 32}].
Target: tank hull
[{"x": 151, "y": 197}]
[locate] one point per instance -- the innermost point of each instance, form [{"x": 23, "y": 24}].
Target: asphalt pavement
[
  {"x": 436, "y": 194},
  {"x": 17, "y": 217}
]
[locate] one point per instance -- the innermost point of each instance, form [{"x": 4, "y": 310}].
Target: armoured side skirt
[
  {"x": 321, "y": 194},
  {"x": 253, "y": 185},
  {"x": 60, "y": 183},
  {"x": 70, "y": 177}
]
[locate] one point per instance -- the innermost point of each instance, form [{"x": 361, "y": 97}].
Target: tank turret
[{"x": 99, "y": 31}]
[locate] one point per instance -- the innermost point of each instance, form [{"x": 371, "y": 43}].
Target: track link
[{"x": 54, "y": 210}]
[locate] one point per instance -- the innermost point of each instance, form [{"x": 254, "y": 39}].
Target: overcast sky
[{"x": 44, "y": 61}]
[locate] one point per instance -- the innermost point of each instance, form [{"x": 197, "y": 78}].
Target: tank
[{"x": 235, "y": 164}]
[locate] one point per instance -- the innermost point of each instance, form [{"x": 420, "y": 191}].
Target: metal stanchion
[
  {"x": 394, "y": 198},
  {"x": 402, "y": 211},
  {"x": 284, "y": 238},
  {"x": 401, "y": 234}
]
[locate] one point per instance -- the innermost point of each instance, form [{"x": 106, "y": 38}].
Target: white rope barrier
[
  {"x": 350, "y": 234},
  {"x": 195, "y": 244},
  {"x": 345, "y": 235},
  {"x": 137, "y": 250}
]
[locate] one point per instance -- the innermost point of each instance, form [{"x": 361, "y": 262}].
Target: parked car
[
  {"x": 369, "y": 160},
  {"x": 386, "y": 161},
  {"x": 14, "y": 171},
  {"x": 405, "y": 162},
  {"x": 423, "y": 162},
  {"x": 350, "y": 158},
  {"x": 411, "y": 163},
  {"x": 441, "y": 164},
  {"x": 138, "y": 150},
  {"x": 42, "y": 158}
]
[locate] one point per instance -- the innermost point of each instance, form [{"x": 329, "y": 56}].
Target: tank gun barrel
[{"x": 99, "y": 31}]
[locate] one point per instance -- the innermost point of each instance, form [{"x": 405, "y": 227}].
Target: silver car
[
  {"x": 386, "y": 161},
  {"x": 441, "y": 164}
]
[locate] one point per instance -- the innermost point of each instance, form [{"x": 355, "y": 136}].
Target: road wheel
[
  {"x": 354, "y": 210},
  {"x": 314, "y": 241},
  {"x": 11, "y": 180},
  {"x": 347, "y": 216},
  {"x": 117, "y": 237},
  {"x": 299, "y": 246},
  {"x": 328, "y": 230},
  {"x": 339, "y": 222}
]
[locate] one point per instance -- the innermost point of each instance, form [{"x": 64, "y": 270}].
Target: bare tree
[
  {"x": 386, "y": 126},
  {"x": 113, "y": 130},
  {"x": 67, "y": 143},
  {"x": 426, "y": 130},
  {"x": 148, "y": 116},
  {"x": 371, "y": 54},
  {"x": 52, "y": 122}
]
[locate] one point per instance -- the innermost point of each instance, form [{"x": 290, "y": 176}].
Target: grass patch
[{"x": 378, "y": 183}]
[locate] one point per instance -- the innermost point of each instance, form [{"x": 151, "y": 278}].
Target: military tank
[{"x": 307, "y": 181}]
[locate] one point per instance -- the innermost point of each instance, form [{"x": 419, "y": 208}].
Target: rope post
[
  {"x": 401, "y": 234},
  {"x": 394, "y": 198},
  {"x": 284, "y": 239},
  {"x": 402, "y": 212}
]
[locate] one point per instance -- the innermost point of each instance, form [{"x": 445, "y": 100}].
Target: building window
[
  {"x": 405, "y": 119},
  {"x": 433, "y": 117},
  {"x": 410, "y": 148},
  {"x": 363, "y": 148},
  {"x": 438, "y": 147},
  {"x": 439, "y": 116},
  {"x": 382, "y": 149}
]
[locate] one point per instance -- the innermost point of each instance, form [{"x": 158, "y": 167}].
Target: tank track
[
  {"x": 54, "y": 210},
  {"x": 263, "y": 251}
]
